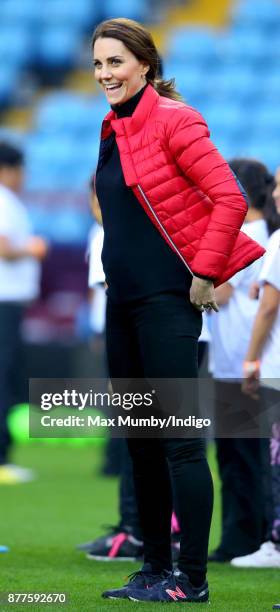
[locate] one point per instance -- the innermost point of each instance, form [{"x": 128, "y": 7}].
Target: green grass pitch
[{"x": 42, "y": 522}]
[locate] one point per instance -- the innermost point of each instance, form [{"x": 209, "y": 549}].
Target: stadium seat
[
  {"x": 192, "y": 44},
  {"x": 60, "y": 96},
  {"x": 41, "y": 218},
  {"x": 49, "y": 177},
  {"x": 9, "y": 76},
  {"x": 270, "y": 85},
  {"x": 15, "y": 46},
  {"x": 16, "y": 137},
  {"x": 20, "y": 13},
  {"x": 60, "y": 162},
  {"x": 227, "y": 146},
  {"x": 224, "y": 120},
  {"x": 48, "y": 146},
  {"x": 74, "y": 115},
  {"x": 132, "y": 9},
  {"x": 59, "y": 224},
  {"x": 244, "y": 47},
  {"x": 265, "y": 150},
  {"x": 264, "y": 14},
  {"x": 236, "y": 83},
  {"x": 188, "y": 75},
  {"x": 82, "y": 14},
  {"x": 266, "y": 121},
  {"x": 68, "y": 225},
  {"x": 190, "y": 81},
  {"x": 101, "y": 106},
  {"x": 50, "y": 155},
  {"x": 68, "y": 112},
  {"x": 40, "y": 177},
  {"x": 59, "y": 46}
]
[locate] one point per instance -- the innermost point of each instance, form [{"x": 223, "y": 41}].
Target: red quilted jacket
[{"x": 184, "y": 185}]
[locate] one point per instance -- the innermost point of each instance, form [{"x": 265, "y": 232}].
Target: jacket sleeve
[{"x": 200, "y": 161}]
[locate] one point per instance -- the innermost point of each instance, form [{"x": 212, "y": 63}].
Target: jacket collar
[{"x": 131, "y": 125}]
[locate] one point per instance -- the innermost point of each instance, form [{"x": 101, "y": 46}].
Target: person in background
[
  {"x": 97, "y": 309},
  {"x": 96, "y": 276},
  {"x": 262, "y": 361},
  {"x": 171, "y": 212},
  {"x": 204, "y": 340},
  {"x": 20, "y": 253},
  {"x": 240, "y": 458}
]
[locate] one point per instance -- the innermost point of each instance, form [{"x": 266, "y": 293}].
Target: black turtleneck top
[{"x": 137, "y": 261}]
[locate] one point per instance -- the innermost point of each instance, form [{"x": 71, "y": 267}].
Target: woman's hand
[{"x": 202, "y": 295}]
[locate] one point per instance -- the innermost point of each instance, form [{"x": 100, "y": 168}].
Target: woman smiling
[{"x": 171, "y": 211}]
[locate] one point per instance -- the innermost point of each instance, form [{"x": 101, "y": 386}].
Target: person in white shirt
[
  {"x": 262, "y": 362},
  {"x": 20, "y": 253},
  {"x": 96, "y": 281},
  {"x": 240, "y": 458}
]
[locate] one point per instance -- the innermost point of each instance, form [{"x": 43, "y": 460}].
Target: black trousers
[
  {"x": 10, "y": 319},
  {"x": 244, "y": 464},
  {"x": 157, "y": 337},
  {"x": 129, "y": 518}
]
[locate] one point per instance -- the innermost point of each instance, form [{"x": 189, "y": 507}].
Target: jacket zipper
[{"x": 163, "y": 229}]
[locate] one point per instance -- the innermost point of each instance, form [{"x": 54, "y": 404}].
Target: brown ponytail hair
[{"x": 140, "y": 42}]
